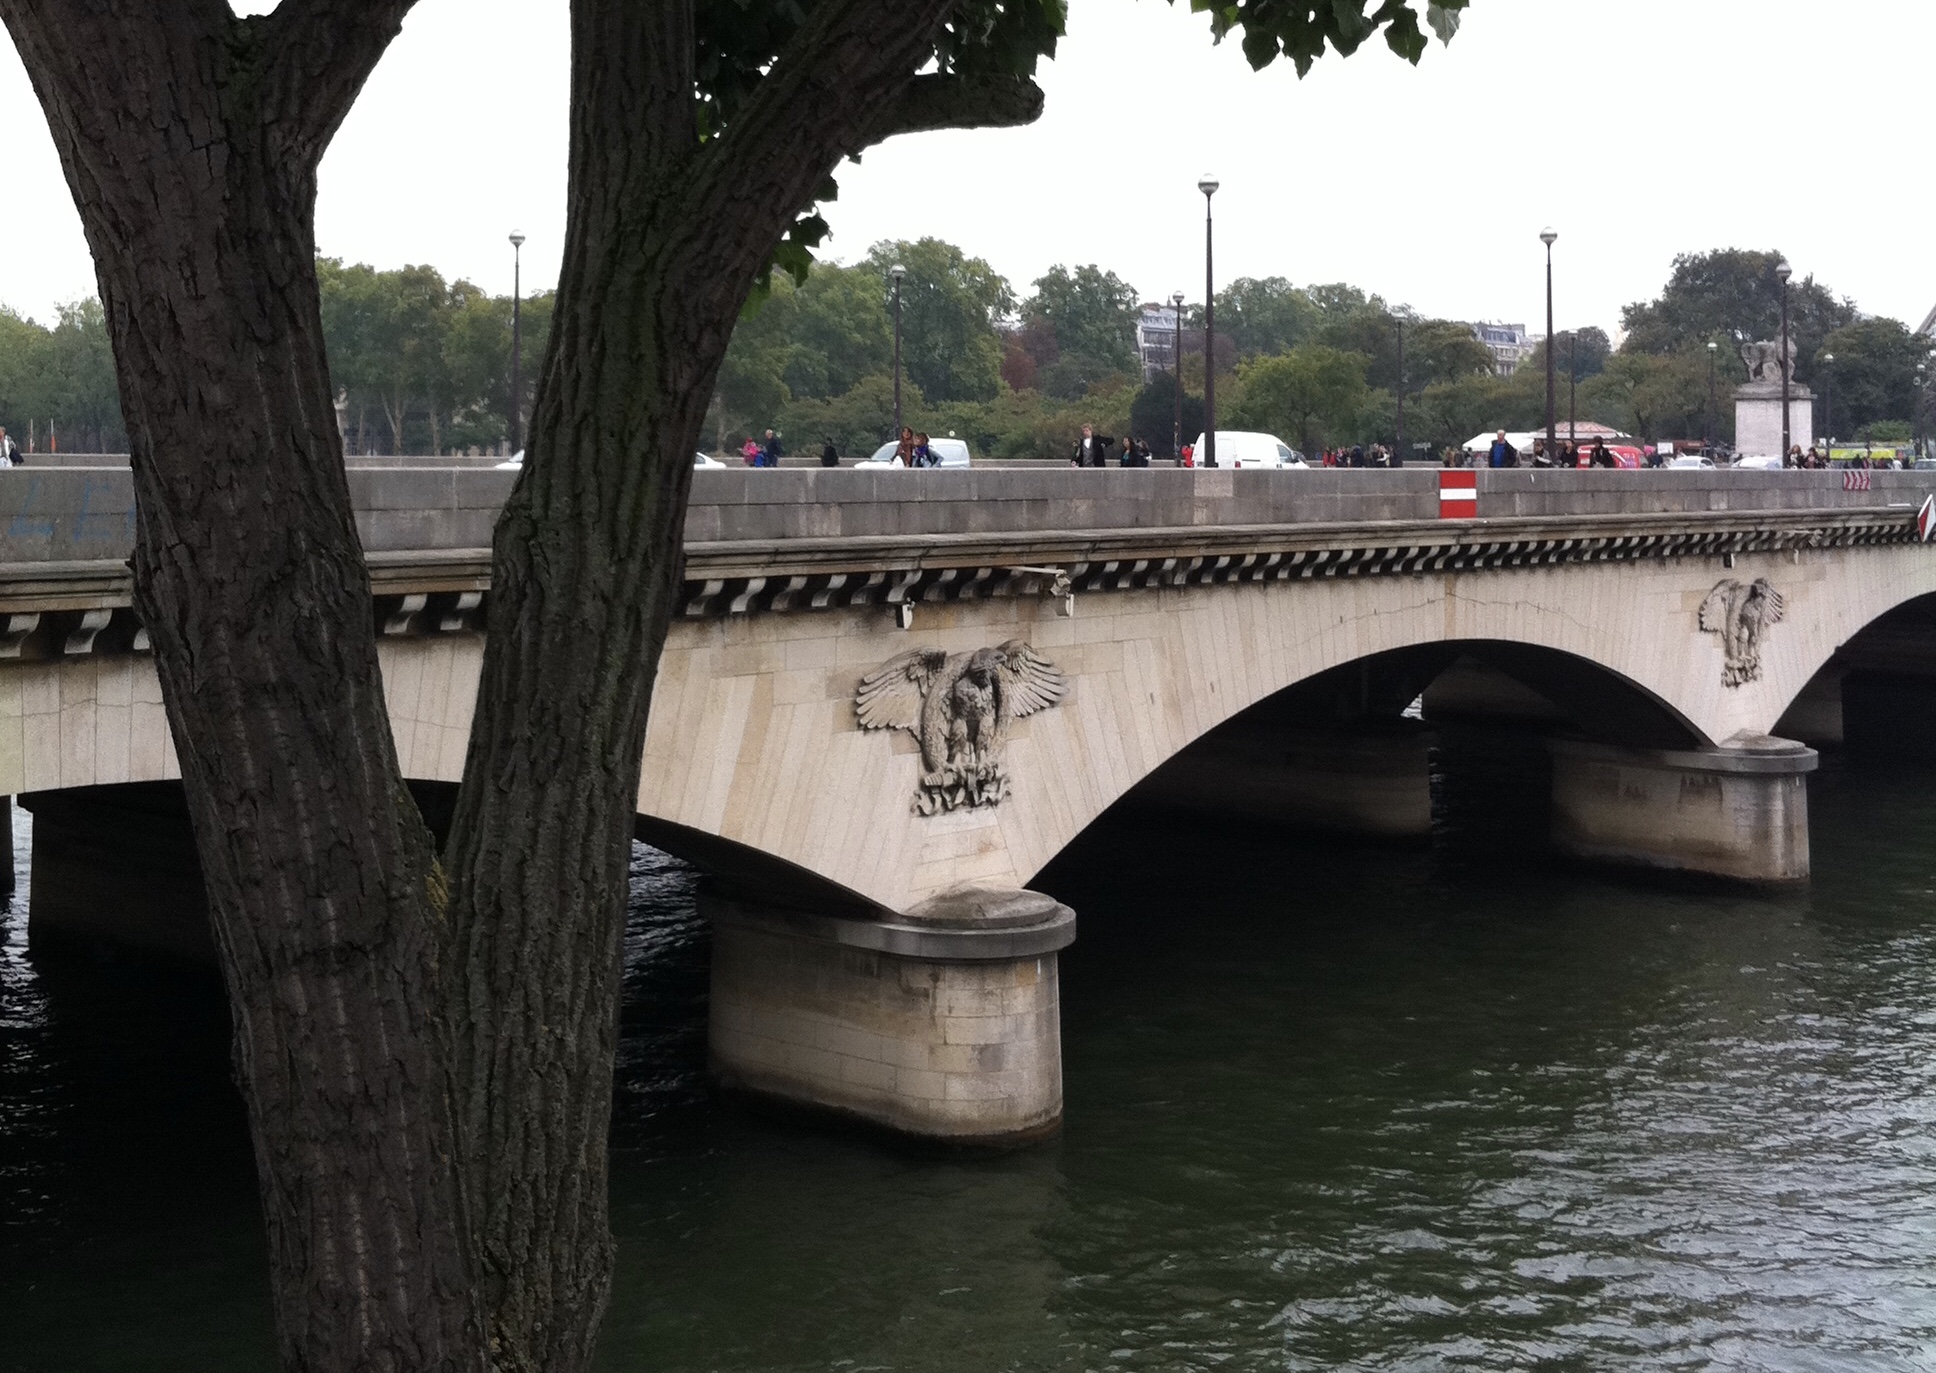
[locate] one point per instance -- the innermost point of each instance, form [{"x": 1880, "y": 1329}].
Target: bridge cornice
[{"x": 65, "y": 605}]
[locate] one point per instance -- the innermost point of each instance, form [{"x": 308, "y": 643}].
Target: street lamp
[
  {"x": 1208, "y": 185},
  {"x": 1400, "y": 440},
  {"x": 1548, "y": 236},
  {"x": 1707, "y": 437},
  {"x": 897, "y": 271},
  {"x": 1828, "y": 397},
  {"x": 1916, "y": 410},
  {"x": 517, "y": 342},
  {"x": 1782, "y": 272},
  {"x": 1572, "y": 390},
  {"x": 1176, "y": 375}
]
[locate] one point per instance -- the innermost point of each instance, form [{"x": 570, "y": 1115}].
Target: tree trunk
[
  {"x": 664, "y": 238},
  {"x": 395, "y": 409},
  {"x": 191, "y": 144}
]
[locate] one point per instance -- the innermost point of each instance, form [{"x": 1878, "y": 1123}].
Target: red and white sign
[
  {"x": 1458, "y": 494},
  {"x": 1926, "y": 519},
  {"x": 1853, "y": 479}
]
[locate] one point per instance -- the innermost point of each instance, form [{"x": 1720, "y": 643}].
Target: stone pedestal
[
  {"x": 1739, "y": 811},
  {"x": 1371, "y": 782},
  {"x": 944, "y": 1024},
  {"x": 1757, "y": 418},
  {"x": 116, "y": 866}
]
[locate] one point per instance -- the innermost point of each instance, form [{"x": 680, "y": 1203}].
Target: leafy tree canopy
[
  {"x": 1311, "y": 394},
  {"x": 1873, "y": 377},
  {"x": 1092, "y": 312},
  {"x": 1732, "y": 295},
  {"x": 950, "y": 306}
]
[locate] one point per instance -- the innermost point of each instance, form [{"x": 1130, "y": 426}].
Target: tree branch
[
  {"x": 959, "y": 102},
  {"x": 318, "y": 54}
]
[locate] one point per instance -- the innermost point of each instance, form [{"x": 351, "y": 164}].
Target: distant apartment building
[
  {"x": 1156, "y": 339},
  {"x": 1509, "y": 344}
]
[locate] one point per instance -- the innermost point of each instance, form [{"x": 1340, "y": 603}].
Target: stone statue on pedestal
[{"x": 1763, "y": 361}]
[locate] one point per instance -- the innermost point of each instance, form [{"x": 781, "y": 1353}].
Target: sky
[{"x": 1685, "y": 125}]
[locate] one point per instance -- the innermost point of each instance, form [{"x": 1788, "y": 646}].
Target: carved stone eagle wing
[
  {"x": 1761, "y": 607},
  {"x": 890, "y": 696},
  {"x": 1716, "y": 608},
  {"x": 1029, "y": 682}
]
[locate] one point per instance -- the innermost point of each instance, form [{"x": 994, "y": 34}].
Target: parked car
[
  {"x": 1237, "y": 448},
  {"x": 1689, "y": 462},
  {"x": 1762, "y": 462},
  {"x": 700, "y": 460},
  {"x": 952, "y": 452}
]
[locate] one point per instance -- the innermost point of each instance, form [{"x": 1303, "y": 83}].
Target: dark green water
[{"x": 1327, "y": 1108}]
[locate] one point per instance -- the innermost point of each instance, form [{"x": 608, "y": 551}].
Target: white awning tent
[
  {"x": 1483, "y": 442},
  {"x": 1586, "y": 434}
]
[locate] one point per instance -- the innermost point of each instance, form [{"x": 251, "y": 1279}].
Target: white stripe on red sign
[{"x": 1458, "y": 495}]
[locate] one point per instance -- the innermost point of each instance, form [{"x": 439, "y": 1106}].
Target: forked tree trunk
[
  {"x": 192, "y": 151},
  {"x": 664, "y": 238}
]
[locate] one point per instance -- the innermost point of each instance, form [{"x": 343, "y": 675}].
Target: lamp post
[
  {"x": 1208, "y": 185},
  {"x": 517, "y": 342},
  {"x": 1707, "y": 435},
  {"x": 1573, "y": 390},
  {"x": 1782, "y": 272},
  {"x": 1176, "y": 375},
  {"x": 1915, "y": 413},
  {"x": 1400, "y": 441},
  {"x": 897, "y": 271},
  {"x": 1828, "y": 397},
  {"x": 1548, "y": 236}
]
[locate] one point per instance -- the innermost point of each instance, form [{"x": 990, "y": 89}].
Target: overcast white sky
[{"x": 1427, "y": 185}]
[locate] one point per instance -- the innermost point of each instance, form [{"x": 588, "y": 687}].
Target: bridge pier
[
  {"x": 1739, "y": 811},
  {"x": 1373, "y": 782},
  {"x": 944, "y": 1025},
  {"x": 115, "y": 866}
]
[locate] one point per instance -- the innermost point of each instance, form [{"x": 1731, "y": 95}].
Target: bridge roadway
[{"x": 1241, "y": 640}]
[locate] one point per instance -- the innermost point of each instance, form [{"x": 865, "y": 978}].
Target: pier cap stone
[{"x": 984, "y": 908}]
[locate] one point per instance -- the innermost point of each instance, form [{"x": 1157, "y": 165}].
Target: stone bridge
[{"x": 1037, "y": 647}]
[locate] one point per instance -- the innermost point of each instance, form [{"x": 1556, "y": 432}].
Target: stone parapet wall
[{"x": 86, "y": 513}]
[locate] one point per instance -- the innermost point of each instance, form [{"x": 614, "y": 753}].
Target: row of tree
[
  {"x": 422, "y": 365},
  {"x": 1321, "y": 365},
  {"x": 57, "y": 384}
]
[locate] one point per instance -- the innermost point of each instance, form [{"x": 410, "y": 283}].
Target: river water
[{"x": 1328, "y": 1108}]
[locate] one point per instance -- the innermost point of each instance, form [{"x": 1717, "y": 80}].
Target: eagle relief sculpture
[
  {"x": 1739, "y": 612},
  {"x": 958, "y": 705}
]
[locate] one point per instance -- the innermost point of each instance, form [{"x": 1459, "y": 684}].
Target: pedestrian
[
  {"x": 1502, "y": 454},
  {"x": 1794, "y": 458},
  {"x": 749, "y": 453},
  {"x": 9, "y": 451},
  {"x": 1089, "y": 450},
  {"x": 1601, "y": 456},
  {"x": 904, "y": 448},
  {"x": 1541, "y": 458},
  {"x": 923, "y": 456},
  {"x": 771, "y": 452},
  {"x": 1136, "y": 453},
  {"x": 830, "y": 455},
  {"x": 1357, "y": 455},
  {"x": 1189, "y": 455}
]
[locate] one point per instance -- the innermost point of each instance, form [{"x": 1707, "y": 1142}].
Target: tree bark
[
  {"x": 191, "y": 141},
  {"x": 664, "y": 238}
]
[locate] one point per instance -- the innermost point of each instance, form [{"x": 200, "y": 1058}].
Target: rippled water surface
[{"x": 1328, "y": 1107}]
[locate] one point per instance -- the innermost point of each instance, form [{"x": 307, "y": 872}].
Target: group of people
[
  {"x": 914, "y": 449},
  {"x": 1359, "y": 456},
  {"x": 1501, "y": 453},
  {"x": 1095, "y": 450},
  {"x": 763, "y": 454}
]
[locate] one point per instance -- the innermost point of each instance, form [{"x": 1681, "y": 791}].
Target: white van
[
  {"x": 1235, "y": 448},
  {"x": 952, "y": 452}
]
